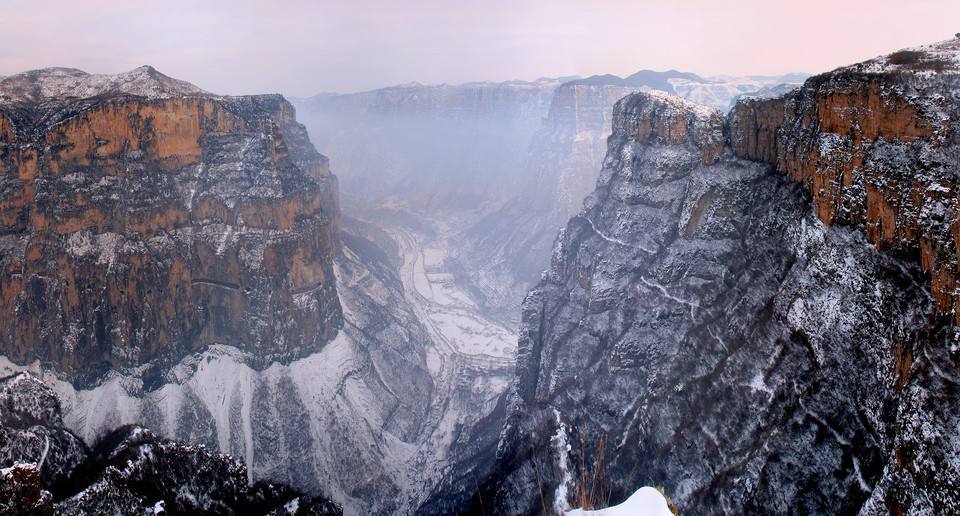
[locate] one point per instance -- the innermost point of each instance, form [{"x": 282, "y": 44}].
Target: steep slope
[
  {"x": 48, "y": 470},
  {"x": 499, "y": 166},
  {"x": 143, "y": 219},
  {"x": 875, "y": 144},
  {"x": 504, "y": 252},
  {"x": 376, "y": 420},
  {"x": 177, "y": 260},
  {"x": 701, "y": 329}
]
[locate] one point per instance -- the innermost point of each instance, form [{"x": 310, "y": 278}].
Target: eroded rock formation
[
  {"x": 875, "y": 144},
  {"x": 701, "y": 328},
  {"x": 143, "y": 219}
]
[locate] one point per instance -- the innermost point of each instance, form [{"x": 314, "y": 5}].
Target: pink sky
[{"x": 301, "y": 47}]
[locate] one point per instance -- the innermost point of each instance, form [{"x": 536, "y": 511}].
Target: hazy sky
[{"x": 302, "y": 47}]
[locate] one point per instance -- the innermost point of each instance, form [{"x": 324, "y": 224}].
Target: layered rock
[
  {"x": 176, "y": 261},
  {"x": 875, "y": 144},
  {"x": 378, "y": 419},
  {"x": 700, "y": 329},
  {"x": 45, "y": 469},
  {"x": 499, "y": 166},
  {"x": 143, "y": 219},
  {"x": 505, "y": 251}
]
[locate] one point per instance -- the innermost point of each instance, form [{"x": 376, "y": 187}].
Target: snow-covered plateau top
[
  {"x": 683, "y": 105},
  {"x": 940, "y": 57},
  {"x": 60, "y": 84}
]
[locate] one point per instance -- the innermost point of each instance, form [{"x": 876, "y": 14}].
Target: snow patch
[{"x": 646, "y": 501}]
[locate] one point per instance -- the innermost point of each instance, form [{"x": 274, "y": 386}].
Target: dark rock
[{"x": 701, "y": 329}]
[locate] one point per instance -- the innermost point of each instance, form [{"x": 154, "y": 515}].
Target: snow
[
  {"x": 8, "y": 471},
  {"x": 646, "y": 501},
  {"x": 69, "y": 83},
  {"x": 559, "y": 441},
  {"x": 453, "y": 319},
  {"x": 614, "y": 240},
  {"x": 684, "y": 105},
  {"x": 720, "y": 91},
  {"x": 946, "y": 52},
  {"x": 663, "y": 291}
]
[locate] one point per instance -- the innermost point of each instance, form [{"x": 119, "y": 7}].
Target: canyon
[
  {"x": 517, "y": 297},
  {"x": 178, "y": 260}
]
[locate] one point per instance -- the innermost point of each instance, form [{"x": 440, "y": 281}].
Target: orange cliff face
[
  {"x": 136, "y": 228},
  {"x": 876, "y": 145}
]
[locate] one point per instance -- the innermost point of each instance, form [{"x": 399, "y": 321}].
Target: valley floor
[
  {"x": 454, "y": 319},
  {"x": 375, "y": 420}
]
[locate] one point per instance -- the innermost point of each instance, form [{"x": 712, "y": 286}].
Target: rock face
[
  {"x": 506, "y": 249},
  {"x": 701, "y": 329},
  {"x": 143, "y": 219},
  {"x": 48, "y": 470},
  {"x": 876, "y": 145},
  {"x": 502, "y": 165}
]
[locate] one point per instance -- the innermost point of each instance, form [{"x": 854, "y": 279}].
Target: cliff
[
  {"x": 875, "y": 144},
  {"x": 143, "y": 219},
  {"x": 176, "y": 260},
  {"x": 505, "y": 250},
  {"x": 716, "y": 321}
]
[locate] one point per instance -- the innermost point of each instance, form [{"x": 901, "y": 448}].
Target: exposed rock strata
[
  {"x": 143, "y": 219},
  {"x": 701, "y": 329},
  {"x": 876, "y": 145}
]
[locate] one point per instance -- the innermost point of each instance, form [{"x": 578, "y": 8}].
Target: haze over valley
[{"x": 653, "y": 291}]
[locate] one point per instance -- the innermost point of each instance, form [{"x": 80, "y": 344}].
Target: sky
[{"x": 300, "y": 47}]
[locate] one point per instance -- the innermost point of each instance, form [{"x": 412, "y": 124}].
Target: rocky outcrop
[
  {"x": 702, "y": 329},
  {"x": 45, "y": 469},
  {"x": 143, "y": 219},
  {"x": 716, "y": 92},
  {"x": 875, "y": 144}
]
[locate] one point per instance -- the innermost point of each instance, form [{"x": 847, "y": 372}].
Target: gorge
[{"x": 511, "y": 298}]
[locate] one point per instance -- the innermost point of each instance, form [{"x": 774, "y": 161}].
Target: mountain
[
  {"x": 434, "y": 147},
  {"x": 176, "y": 260},
  {"x": 143, "y": 219},
  {"x": 649, "y": 78},
  {"x": 717, "y": 92},
  {"x": 504, "y": 251},
  {"x": 754, "y": 312},
  {"x": 495, "y": 169}
]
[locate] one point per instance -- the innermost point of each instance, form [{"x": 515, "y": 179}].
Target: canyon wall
[
  {"x": 138, "y": 228},
  {"x": 875, "y": 145},
  {"x": 176, "y": 260},
  {"x": 429, "y": 147},
  {"x": 753, "y": 313}
]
